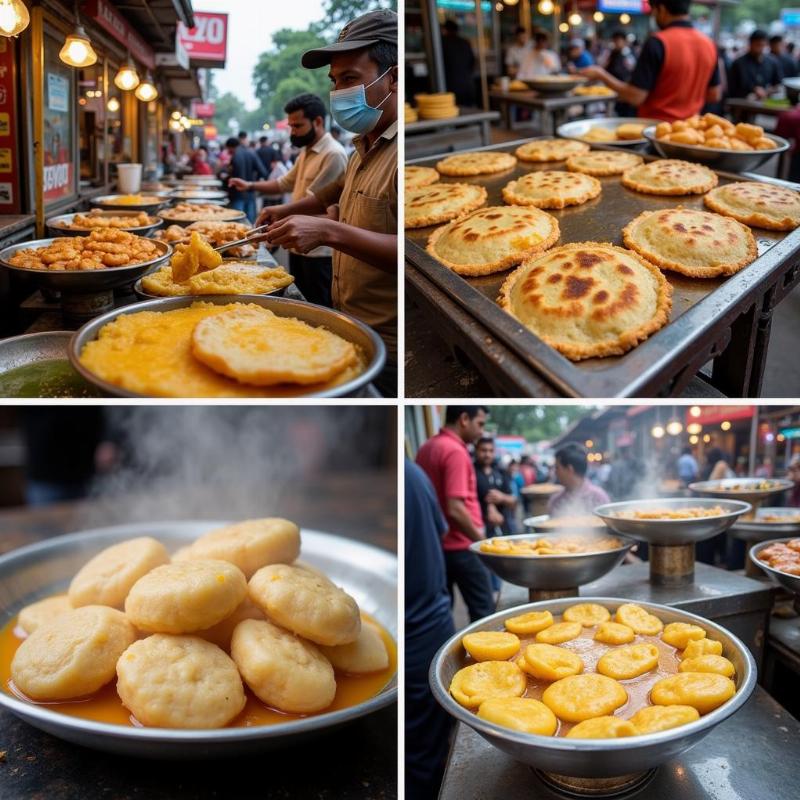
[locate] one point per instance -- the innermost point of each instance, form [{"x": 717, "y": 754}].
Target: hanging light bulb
[
  {"x": 14, "y": 17},
  {"x": 575, "y": 19},
  {"x": 146, "y": 90},
  {"x": 510, "y": 2},
  {"x": 674, "y": 427},
  {"x": 625, "y": 18},
  {"x": 175, "y": 115},
  {"x": 657, "y": 432},
  {"x": 77, "y": 50},
  {"x": 127, "y": 78},
  {"x": 563, "y": 27},
  {"x": 598, "y": 16},
  {"x": 113, "y": 105},
  {"x": 498, "y": 7},
  {"x": 546, "y": 7}
]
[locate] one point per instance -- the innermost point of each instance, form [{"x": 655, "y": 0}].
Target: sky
[{"x": 250, "y": 27}]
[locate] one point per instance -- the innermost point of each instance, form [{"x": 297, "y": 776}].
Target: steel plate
[
  {"x": 578, "y": 128},
  {"x": 747, "y": 490},
  {"x": 112, "y": 201},
  {"x": 758, "y": 526},
  {"x": 55, "y": 225},
  {"x": 790, "y": 582}
]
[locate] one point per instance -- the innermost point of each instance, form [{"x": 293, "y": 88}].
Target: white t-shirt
[{"x": 538, "y": 62}]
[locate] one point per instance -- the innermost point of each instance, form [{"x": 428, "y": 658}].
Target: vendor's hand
[
  {"x": 270, "y": 214},
  {"x": 495, "y": 496},
  {"x": 299, "y": 233},
  {"x": 332, "y": 212},
  {"x": 593, "y": 73},
  {"x": 239, "y": 183}
]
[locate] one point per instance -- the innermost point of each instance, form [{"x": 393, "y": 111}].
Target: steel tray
[{"x": 790, "y": 582}]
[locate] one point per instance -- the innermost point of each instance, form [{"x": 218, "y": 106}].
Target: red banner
[
  {"x": 9, "y": 167},
  {"x": 208, "y": 40},
  {"x": 711, "y": 415},
  {"x": 108, "y": 18},
  {"x": 203, "y": 110}
]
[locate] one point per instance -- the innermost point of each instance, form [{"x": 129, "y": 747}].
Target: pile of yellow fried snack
[
  {"x": 711, "y": 130},
  {"x": 184, "y": 634},
  {"x": 564, "y": 545},
  {"x": 585, "y": 697}
]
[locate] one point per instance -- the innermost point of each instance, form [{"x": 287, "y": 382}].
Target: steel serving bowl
[
  {"x": 556, "y": 571},
  {"x": 368, "y": 573},
  {"x": 724, "y": 160},
  {"x": 757, "y": 525},
  {"x": 318, "y": 316},
  {"x": 160, "y": 200},
  {"x": 580, "y": 127},
  {"x": 747, "y": 488},
  {"x": 672, "y": 531},
  {"x": 790, "y": 582},
  {"x": 240, "y": 216},
  {"x": 199, "y": 195},
  {"x": 58, "y": 225},
  {"x": 202, "y": 181},
  {"x": 555, "y": 84},
  {"x": 78, "y": 281},
  {"x": 592, "y": 758}
]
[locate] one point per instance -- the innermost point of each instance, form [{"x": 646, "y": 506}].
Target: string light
[
  {"x": 546, "y": 7},
  {"x": 598, "y": 16},
  {"x": 625, "y": 18},
  {"x": 113, "y": 105},
  {"x": 575, "y": 19}
]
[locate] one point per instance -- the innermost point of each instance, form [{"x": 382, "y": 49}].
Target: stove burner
[{"x": 619, "y": 787}]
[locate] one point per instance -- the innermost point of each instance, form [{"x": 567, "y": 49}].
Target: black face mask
[{"x": 303, "y": 139}]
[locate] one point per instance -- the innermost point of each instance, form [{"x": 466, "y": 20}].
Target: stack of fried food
[
  {"x": 410, "y": 113},
  {"x": 97, "y": 219},
  {"x": 441, "y": 105},
  {"x": 592, "y": 91},
  {"x": 714, "y": 131},
  {"x": 215, "y": 233},
  {"x": 98, "y": 250},
  {"x": 194, "y": 212}
]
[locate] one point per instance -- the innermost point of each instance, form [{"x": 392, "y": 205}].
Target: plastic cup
[{"x": 129, "y": 178}]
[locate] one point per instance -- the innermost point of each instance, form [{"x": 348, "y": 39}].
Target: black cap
[{"x": 363, "y": 31}]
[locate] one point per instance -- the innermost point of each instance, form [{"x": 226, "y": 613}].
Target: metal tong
[{"x": 252, "y": 234}]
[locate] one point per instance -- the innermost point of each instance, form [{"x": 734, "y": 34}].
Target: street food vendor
[
  {"x": 677, "y": 72},
  {"x": 357, "y": 214}
]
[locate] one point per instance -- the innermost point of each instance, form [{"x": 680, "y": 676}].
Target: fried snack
[
  {"x": 549, "y": 663},
  {"x": 179, "y": 682},
  {"x": 652, "y": 719},
  {"x": 581, "y": 697},
  {"x": 221, "y": 633},
  {"x": 703, "y": 691},
  {"x": 283, "y": 670},
  {"x": 679, "y": 634},
  {"x": 487, "y": 680},
  {"x": 760, "y": 205},
  {"x": 441, "y": 202},
  {"x": 630, "y": 661},
  {"x": 543, "y": 546},
  {"x": 614, "y": 633},
  {"x": 552, "y": 189},
  {"x": 716, "y": 132},
  {"x": 185, "y": 596},
  {"x": 367, "y": 654},
  {"x": 545, "y": 150},
  {"x": 783, "y": 556},
  {"x": 101, "y": 249},
  {"x": 96, "y": 219},
  {"x": 588, "y": 299},
  {"x": 215, "y": 233},
  {"x": 694, "y": 512},
  {"x": 531, "y": 622},
  {"x": 73, "y": 654},
  {"x": 493, "y": 239},
  {"x": 250, "y": 545},
  {"x": 599, "y": 134},
  {"x": 559, "y": 632},
  {"x": 42, "y": 611},
  {"x": 132, "y": 200},
  {"x": 601, "y": 163},
  {"x": 520, "y": 714},
  {"x": 670, "y": 177},
  {"x": 694, "y": 243},
  {"x": 588, "y": 614},
  {"x": 259, "y": 348},
  {"x": 630, "y": 131},
  {"x": 230, "y": 277},
  {"x": 491, "y": 645},
  {"x": 185, "y": 212},
  {"x": 790, "y": 517},
  {"x": 639, "y": 620},
  {"x": 602, "y": 728},
  {"x": 306, "y": 603},
  {"x": 463, "y": 164},
  {"x": 701, "y": 647},
  {"x": 106, "y": 579},
  {"x": 416, "y": 177},
  {"x": 189, "y": 259},
  {"x": 708, "y": 663},
  {"x": 593, "y": 91}
]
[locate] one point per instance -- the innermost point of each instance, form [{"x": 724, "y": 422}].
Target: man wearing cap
[{"x": 357, "y": 215}]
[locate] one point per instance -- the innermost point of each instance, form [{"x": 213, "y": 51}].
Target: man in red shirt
[
  {"x": 677, "y": 72},
  {"x": 446, "y": 461}
]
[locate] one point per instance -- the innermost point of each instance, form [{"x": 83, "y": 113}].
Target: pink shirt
[
  {"x": 584, "y": 500},
  {"x": 446, "y": 461}
]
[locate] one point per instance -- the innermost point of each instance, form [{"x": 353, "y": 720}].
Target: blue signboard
[
  {"x": 790, "y": 17},
  {"x": 620, "y": 6}
]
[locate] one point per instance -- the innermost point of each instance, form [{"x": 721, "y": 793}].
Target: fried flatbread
[
  {"x": 695, "y": 243},
  {"x": 670, "y": 176},
  {"x": 551, "y": 189},
  {"x": 476, "y": 163},
  {"x": 588, "y": 299},
  {"x": 759, "y": 204},
  {"x": 550, "y": 149},
  {"x": 441, "y": 202},
  {"x": 493, "y": 239},
  {"x": 603, "y": 162},
  {"x": 420, "y": 176}
]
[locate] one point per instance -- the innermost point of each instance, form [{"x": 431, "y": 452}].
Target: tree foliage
[
  {"x": 340, "y": 12},
  {"x": 762, "y": 12},
  {"x": 534, "y": 423}
]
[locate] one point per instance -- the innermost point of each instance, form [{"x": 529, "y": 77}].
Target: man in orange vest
[{"x": 677, "y": 72}]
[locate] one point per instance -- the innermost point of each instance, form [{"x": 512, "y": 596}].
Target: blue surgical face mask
[{"x": 351, "y": 111}]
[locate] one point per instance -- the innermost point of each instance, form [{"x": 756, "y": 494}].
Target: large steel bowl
[
  {"x": 31, "y": 573},
  {"x": 199, "y": 195},
  {"x": 109, "y": 201},
  {"x": 756, "y": 526},
  {"x": 202, "y": 181},
  {"x": 240, "y": 216},
  {"x": 80, "y": 281},
  {"x": 341, "y": 324},
  {"x": 57, "y": 226},
  {"x": 578, "y": 128},
  {"x": 672, "y": 531},
  {"x": 554, "y": 572},
  {"x": 790, "y": 582},
  {"x": 724, "y": 160},
  {"x": 745, "y": 489},
  {"x": 556, "y": 84},
  {"x": 592, "y": 758}
]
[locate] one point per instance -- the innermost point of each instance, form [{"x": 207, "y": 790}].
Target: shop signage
[
  {"x": 711, "y": 415},
  {"x": 513, "y": 445},
  {"x": 624, "y": 6},
  {"x": 9, "y": 168},
  {"x": 204, "y": 110},
  {"x": 210, "y": 132},
  {"x": 790, "y": 17},
  {"x": 57, "y": 93},
  {"x": 791, "y": 433},
  {"x": 107, "y": 17},
  {"x": 208, "y": 40}
]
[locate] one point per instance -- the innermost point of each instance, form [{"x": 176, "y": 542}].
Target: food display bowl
[
  {"x": 317, "y": 316},
  {"x": 790, "y": 582},
  {"x": 792, "y": 86},
  {"x": 746, "y": 489},
  {"x": 544, "y": 523},
  {"x": 556, "y": 84},
  {"x": 202, "y": 181},
  {"x": 670, "y": 532},
  {"x": 55, "y": 225},
  {"x": 580, "y": 127},
  {"x": 555, "y": 572},
  {"x": 722, "y": 160},
  {"x": 184, "y": 223},
  {"x": 368, "y": 573},
  {"x": 199, "y": 195},
  {"x": 109, "y": 201},
  {"x": 756, "y": 529},
  {"x": 592, "y": 758},
  {"x": 59, "y": 379}
]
